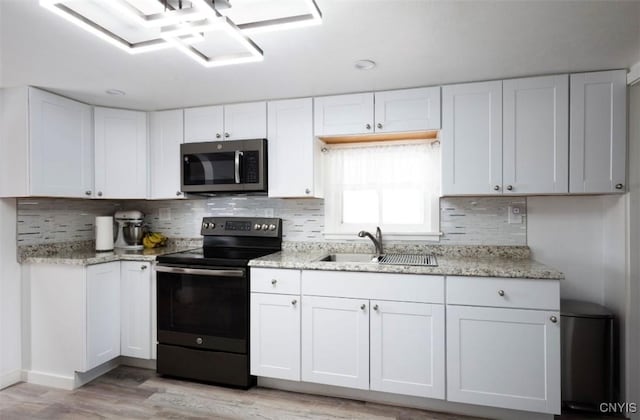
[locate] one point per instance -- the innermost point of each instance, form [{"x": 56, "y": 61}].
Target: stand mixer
[{"x": 130, "y": 229}]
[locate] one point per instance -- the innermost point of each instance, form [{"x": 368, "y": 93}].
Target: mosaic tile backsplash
[{"x": 464, "y": 220}]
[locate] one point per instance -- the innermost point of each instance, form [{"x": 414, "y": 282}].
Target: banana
[{"x": 154, "y": 239}]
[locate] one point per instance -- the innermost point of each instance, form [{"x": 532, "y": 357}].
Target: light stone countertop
[
  {"x": 479, "y": 266},
  {"x": 84, "y": 253}
]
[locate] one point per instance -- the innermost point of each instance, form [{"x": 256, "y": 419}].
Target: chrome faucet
[{"x": 377, "y": 240}]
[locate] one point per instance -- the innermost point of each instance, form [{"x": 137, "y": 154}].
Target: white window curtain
[{"x": 394, "y": 186}]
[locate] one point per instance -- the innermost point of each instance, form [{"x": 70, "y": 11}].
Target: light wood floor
[{"x": 133, "y": 393}]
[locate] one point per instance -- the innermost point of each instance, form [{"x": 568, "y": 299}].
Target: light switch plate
[{"x": 515, "y": 215}]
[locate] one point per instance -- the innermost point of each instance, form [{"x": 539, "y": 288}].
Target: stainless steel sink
[
  {"x": 353, "y": 258},
  {"x": 389, "y": 259}
]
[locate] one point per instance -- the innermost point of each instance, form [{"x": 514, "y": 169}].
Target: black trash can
[{"x": 589, "y": 355}]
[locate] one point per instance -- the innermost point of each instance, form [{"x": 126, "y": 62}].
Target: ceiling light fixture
[
  {"x": 209, "y": 31},
  {"x": 365, "y": 64}
]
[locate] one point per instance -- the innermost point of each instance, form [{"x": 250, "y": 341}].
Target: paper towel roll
[{"x": 104, "y": 233}]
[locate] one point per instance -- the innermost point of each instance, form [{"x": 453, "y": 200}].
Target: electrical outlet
[
  {"x": 164, "y": 214},
  {"x": 515, "y": 215}
]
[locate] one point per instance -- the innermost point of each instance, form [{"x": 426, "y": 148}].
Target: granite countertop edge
[{"x": 447, "y": 265}]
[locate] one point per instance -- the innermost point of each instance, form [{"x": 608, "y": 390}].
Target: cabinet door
[
  {"x": 507, "y": 358},
  {"x": 536, "y": 143},
  {"x": 205, "y": 123},
  {"x": 165, "y": 137},
  {"x": 598, "y": 134},
  {"x": 275, "y": 336},
  {"x": 245, "y": 121},
  {"x": 291, "y": 134},
  {"x": 61, "y": 133},
  {"x": 407, "y": 348},
  {"x": 154, "y": 312},
  {"x": 472, "y": 138},
  {"x": 407, "y": 110},
  {"x": 103, "y": 313},
  {"x": 335, "y": 341},
  {"x": 135, "y": 301},
  {"x": 343, "y": 114},
  {"x": 121, "y": 153}
]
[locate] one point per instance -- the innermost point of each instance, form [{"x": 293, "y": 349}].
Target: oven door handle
[
  {"x": 200, "y": 272},
  {"x": 237, "y": 163}
]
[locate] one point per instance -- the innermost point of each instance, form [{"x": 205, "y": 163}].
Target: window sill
[{"x": 431, "y": 236}]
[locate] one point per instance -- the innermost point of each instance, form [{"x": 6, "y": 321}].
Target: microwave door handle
[{"x": 237, "y": 162}]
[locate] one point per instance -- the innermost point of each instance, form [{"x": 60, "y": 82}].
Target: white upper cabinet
[
  {"x": 228, "y": 122},
  {"x": 535, "y": 135},
  {"x": 291, "y": 134},
  {"x": 205, "y": 123},
  {"x": 165, "y": 137},
  {"x": 379, "y": 112},
  {"x": 120, "y": 153},
  {"x": 407, "y": 110},
  {"x": 245, "y": 121},
  {"x": 344, "y": 114},
  {"x": 472, "y": 138},
  {"x": 598, "y": 134},
  {"x": 47, "y": 145}
]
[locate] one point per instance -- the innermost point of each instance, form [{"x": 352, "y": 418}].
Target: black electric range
[{"x": 203, "y": 301}]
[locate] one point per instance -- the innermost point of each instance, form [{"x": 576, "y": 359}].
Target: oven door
[
  {"x": 203, "y": 308},
  {"x": 224, "y": 166}
]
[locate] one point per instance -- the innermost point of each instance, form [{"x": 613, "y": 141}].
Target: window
[{"x": 394, "y": 186}]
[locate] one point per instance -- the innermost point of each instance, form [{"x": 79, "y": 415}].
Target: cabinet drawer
[
  {"x": 379, "y": 286},
  {"x": 503, "y": 292},
  {"x": 273, "y": 280}
]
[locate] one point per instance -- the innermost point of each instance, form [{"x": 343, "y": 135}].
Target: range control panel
[{"x": 242, "y": 226}]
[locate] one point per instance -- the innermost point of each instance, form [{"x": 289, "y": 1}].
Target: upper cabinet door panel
[
  {"x": 598, "y": 134},
  {"x": 407, "y": 110},
  {"x": 121, "y": 153},
  {"x": 205, "y": 123},
  {"x": 344, "y": 114},
  {"x": 165, "y": 137},
  {"x": 61, "y": 133},
  {"x": 245, "y": 121},
  {"x": 536, "y": 144},
  {"x": 291, "y": 135},
  {"x": 472, "y": 138}
]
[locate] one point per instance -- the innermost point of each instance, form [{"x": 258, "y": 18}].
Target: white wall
[
  {"x": 633, "y": 296},
  {"x": 10, "y": 336}
]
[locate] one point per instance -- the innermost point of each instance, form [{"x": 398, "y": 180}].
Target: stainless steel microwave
[{"x": 224, "y": 166}]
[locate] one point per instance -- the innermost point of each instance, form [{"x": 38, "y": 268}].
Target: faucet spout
[{"x": 377, "y": 240}]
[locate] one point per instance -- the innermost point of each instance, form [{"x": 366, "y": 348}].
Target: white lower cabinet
[
  {"x": 335, "y": 341},
  {"x": 135, "y": 306},
  {"x": 275, "y": 336},
  {"x": 407, "y": 348}
]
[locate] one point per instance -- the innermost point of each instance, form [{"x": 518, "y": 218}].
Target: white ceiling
[{"x": 415, "y": 43}]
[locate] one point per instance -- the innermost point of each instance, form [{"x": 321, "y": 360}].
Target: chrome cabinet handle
[
  {"x": 226, "y": 135},
  {"x": 496, "y": 187},
  {"x": 99, "y": 193},
  {"x": 375, "y": 307},
  {"x": 294, "y": 302},
  {"x": 218, "y": 135},
  {"x": 619, "y": 186},
  {"x": 553, "y": 319},
  {"x": 501, "y": 292},
  {"x": 88, "y": 192},
  {"x": 363, "y": 306},
  {"x": 509, "y": 187},
  {"x": 368, "y": 126},
  {"x": 307, "y": 191},
  {"x": 274, "y": 281},
  {"x": 379, "y": 125},
  {"x": 143, "y": 267},
  {"x": 178, "y": 193}
]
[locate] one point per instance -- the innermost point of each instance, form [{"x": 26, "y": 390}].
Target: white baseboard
[
  {"x": 51, "y": 380},
  {"x": 401, "y": 400},
  {"x": 86, "y": 377},
  {"x": 10, "y": 378}
]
